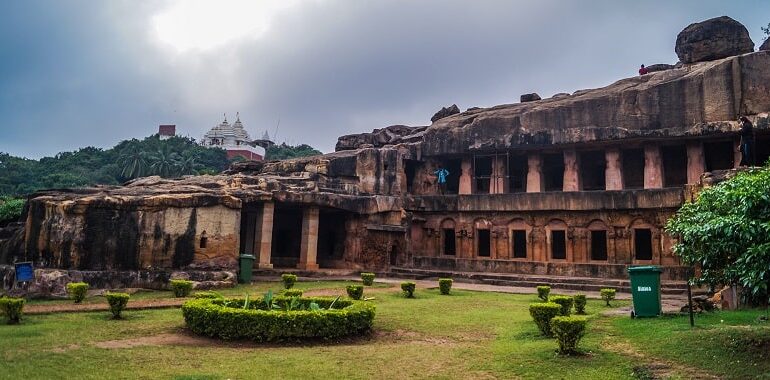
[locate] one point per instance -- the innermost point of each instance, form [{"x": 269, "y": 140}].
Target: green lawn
[{"x": 465, "y": 335}]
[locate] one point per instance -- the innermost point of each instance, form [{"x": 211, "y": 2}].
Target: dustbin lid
[
  {"x": 246, "y": 256},
  {"x": 645, "y": 268}
]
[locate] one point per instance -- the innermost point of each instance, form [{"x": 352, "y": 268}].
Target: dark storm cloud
[{"x": 76, "y": 74}]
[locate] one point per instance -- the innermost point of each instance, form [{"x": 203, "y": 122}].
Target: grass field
[{"x": 465, "y": 335}]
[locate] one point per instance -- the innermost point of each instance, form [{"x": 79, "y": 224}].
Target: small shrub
[
  {"x": 543, "y": 291},
  {"x": 77, "y": 291},
  {"x": 445, "y": 285},
  {"x": 288, "y": 280},
  {"x": 542, "y": 313},
  {"x": 568, "y": 332},
  {"x": 580, "y": 303},
  {"x": 608, "y": 294},
  {"x": 355, "y": 291},
  {"x": 117, "y": 303},
  {"x": 367, "y": 278},
  {"x": 181, "y": 288},
  {"x": 408, "y": 288},
  {"x": 293, "y": 293},
  {"x": 565, "y": 302},
  {"x": 12, "y": 308},
  {"x": 207, "y": 294}
]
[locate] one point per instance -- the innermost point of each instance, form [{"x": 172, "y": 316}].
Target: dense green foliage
[
  {"x": 118, "y": 302},
  {"x": 288, "y": 280},
  {"x": 367, "y": 278},
  {"x": 128, "y": 160},
  {"x": 284, "y": 151},
  {"x": 10, "y": 209},
  {"x": 542, "y": 313},
  {"x": 580, "y": 303},
  {"x": 568, "y": 332},
  {"x": 608, "y": 294},
  {"x": 726, "y": 232},
  {"x": 77, "y": 291},
  {"x": 543, "y": 291},
  {"x": 444, "y": 285},
  {"x": 181, "y": 288},
  {"x": 12, "y": 308},
  {"x": 241, "y": 319},
  {"x": 207, "y": 294},
  {"x": 407, "y": 288},
  {"x": 355, "y": 291},
  {"x": 565, "y": 302},
  {"x": 292, "y": 293}
]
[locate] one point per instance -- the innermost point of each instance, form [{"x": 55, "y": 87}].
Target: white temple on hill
[{"x": 234, "y": 139}]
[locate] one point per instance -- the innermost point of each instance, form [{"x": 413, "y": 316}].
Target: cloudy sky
[{"x": 80, "y": 73}]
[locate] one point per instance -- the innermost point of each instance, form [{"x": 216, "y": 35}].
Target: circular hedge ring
[{"x": 278, "y": 319}]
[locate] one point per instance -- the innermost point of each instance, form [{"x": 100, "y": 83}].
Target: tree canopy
[{"x": 284, "y": 151}]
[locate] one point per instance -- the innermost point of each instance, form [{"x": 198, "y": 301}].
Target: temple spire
[{"x": 238, "y": 117}]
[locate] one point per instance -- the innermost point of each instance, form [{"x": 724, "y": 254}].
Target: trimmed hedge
[
  {"x": 445, "y": 285},
  {"x": 13, "y": 308},
  {"x": 355, "y": 291},
  {"x": 207, "y": 294},
  {"x": 543, "y": 291},
  {"x": 227, "y": 319},
  {"x": 77, "y": 290},
  {"x": 367, "y": 278},
  {"x": 542, "y": 313},
  {"x": 408, "y": 288},
  {"x": 181, "y": 288},
  {"x": 580, "y": 303},
  {"x": 568, "y": 332},
  {"x": 292, "y": 293},
  {"x": 608, "y": 294},
  {"x": 288, "y": 280},
  {"x": 117, "y": 303},
  {"x": 565, "y": 302}
]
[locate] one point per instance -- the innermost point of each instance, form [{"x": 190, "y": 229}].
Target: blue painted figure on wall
[{"x": 441, "y": 176}]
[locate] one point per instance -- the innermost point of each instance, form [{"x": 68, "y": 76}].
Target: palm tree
[
  {"x": 188, "y": 165},
  {"x": 165, "y": 162},
  {"x": 133, "y": 161}
]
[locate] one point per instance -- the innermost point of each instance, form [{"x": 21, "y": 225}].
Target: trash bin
[
  {"x": 645, "y": 290},
  {"x": 246, "y": 265}
]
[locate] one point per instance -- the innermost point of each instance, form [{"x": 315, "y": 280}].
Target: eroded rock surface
[
  {"x": 712, "y": 39},
  {"x": 444, "y": 112}
]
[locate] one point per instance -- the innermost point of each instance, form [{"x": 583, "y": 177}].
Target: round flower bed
[{"x": 278, "y": 318}]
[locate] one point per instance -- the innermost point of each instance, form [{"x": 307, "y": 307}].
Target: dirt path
[{"x": 132, "y": 305}]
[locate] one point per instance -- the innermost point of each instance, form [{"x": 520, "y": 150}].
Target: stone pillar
[
  {"x": 497, "y": 182},
  {"x": 653, "y": 167},
  {"x": 737, "y": 152},
  {"x": 571, "y": 175},
  {"x": 308, "y": 251},
  {"x": 534, "y": 173},
  {"x": 613, "y": 176},
  {"x": 696, "y": 163},
  {"x": 466, "y": 177},
  {"x": 263, "y": 244}
]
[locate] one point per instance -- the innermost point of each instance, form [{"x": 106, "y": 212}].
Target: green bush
[
  {"x": 580, "y": 303},
  {"x": 207, "y": 294},
  {"x": 117, "y": 303},
  {"x": 181, "y": 288},
  {"x": 608, "y": 294},
  {"x": 445, "y": 285},
  {"x": 542, "y": 313},
  {"x": 355, "y": 291},
  {"x": 288, "y": 280},
  {"x": 77, "y": 291},
  {"x": 543, "y": 291},
  {"x": 12, "y": 308},
  {"x": 367, "y": 278},
  {"x": 239, "y": 319},
  {"x": 408, "y": 288},
  {"x": 292, "y": 293},
  {"x": 565, "y": 302},
  {"x": 11, "y": 209},
  {"x": 568, "y": 332}
]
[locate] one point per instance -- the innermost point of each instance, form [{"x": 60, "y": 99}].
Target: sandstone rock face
[
  {"x": 712, "y": 39},
  {"x": 444, "y": 112},
  {"x": 530, "y": 97},
  {"x": 659, "y": 67},
  {"x": 765, "y": 45},
  {"x": 380, "y": 137}
]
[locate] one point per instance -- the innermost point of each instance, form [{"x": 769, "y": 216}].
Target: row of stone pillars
[{"x": 263, "y": 241}]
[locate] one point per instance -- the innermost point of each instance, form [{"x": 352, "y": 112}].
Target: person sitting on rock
[
  {"x": 441, "y": 175},
  {"x": 747, "y": 142},
  {"x": 643, "y": 70}
]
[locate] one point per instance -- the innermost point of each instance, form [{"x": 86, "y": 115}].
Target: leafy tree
[
  {"x": 766, "y": 30},
  {"x": 726, "y": 232},
  {"x": 10, "y": 209},
  {"x": 284, "y": 151}
]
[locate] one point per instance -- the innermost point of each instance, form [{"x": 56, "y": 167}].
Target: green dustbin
[
  {"x": 645, "y": 290},
  {"x": 246, "y": 265}
]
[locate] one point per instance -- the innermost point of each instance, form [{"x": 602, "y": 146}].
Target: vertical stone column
[
  {"x": 696, "y": 163},
  {"x": 737, "y": 152},
  {"x": 571, "y": 175},
  {"x": 309, "y": 246},
  {"x": 465, "y": 177},
  {"x": 497, "y": 182},
  {"x": 653, "y": 167},
  {"x": 263, "y": 244},
  {"x": 613, "y": 175},
  {"x": 534, "y": 173}
]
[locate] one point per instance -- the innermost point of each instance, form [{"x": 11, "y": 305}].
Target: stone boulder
[
  {"x": 659, "y": 67},
  {"x": 712, "y": 39},
  {"x": 444, "y": 112},
  {"x": 765, "y": 45},
  {"x": 530, "y": 97}
]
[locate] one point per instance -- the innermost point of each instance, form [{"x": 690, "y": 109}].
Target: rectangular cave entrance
[
  {"x": 449, "y": 247},
  {"x": 517, "y": 173},
  {"x": 643, "y": 244},
  {"x": 674, "y": 165},
  {"x": 592, "y": 170},
  {"x": 633, "y": 168},
  {"x": 331, "y": 237},
  {"x": 519, "y": 244},
  {"x": 454, "y": 166},
  {"x": 762, "y": 148},
  {"x": 718, "y": 155},
  {"x": 410, "y": 170},
  {"x": 599, "y": 245},
  {"x": 559, "y": 244},
  {"x": 553, "y": 172},
  {"x": 484, "y": 243},
  {"x": 482, "y": 174},
  {"x": 287, "y": 236}
]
